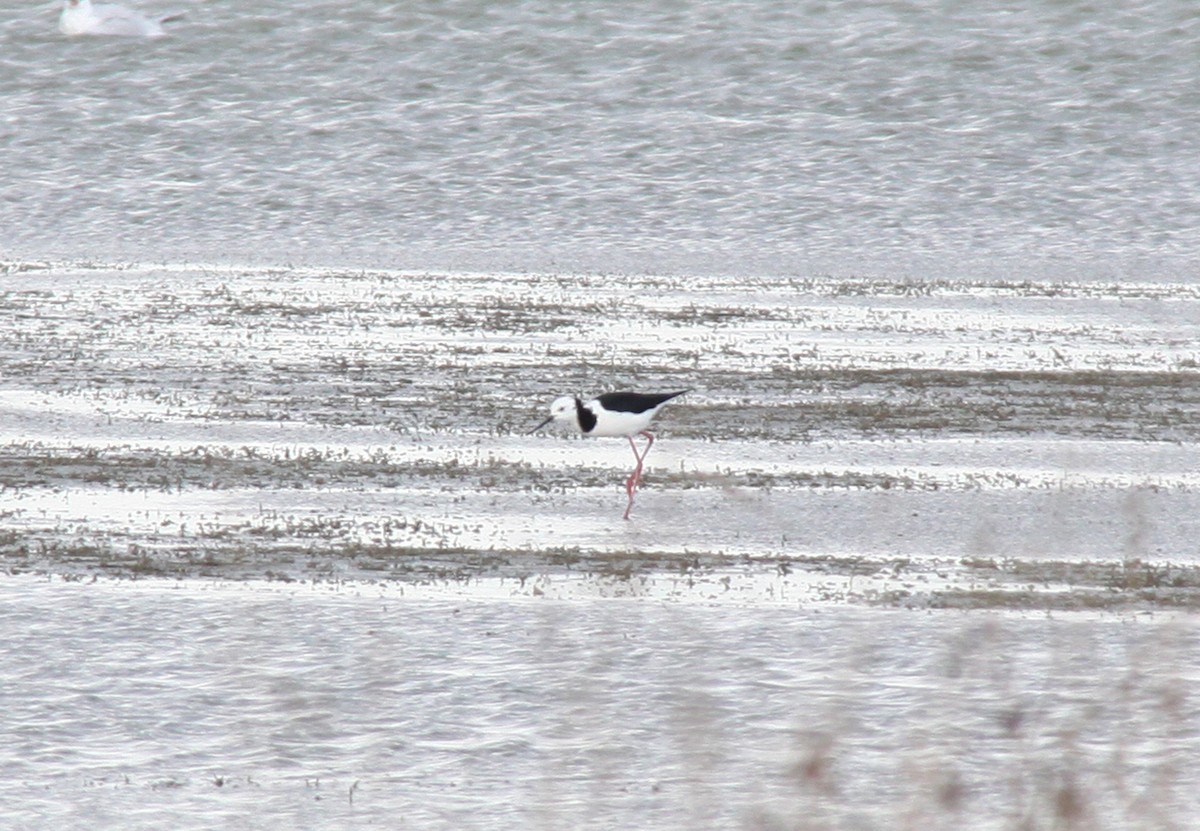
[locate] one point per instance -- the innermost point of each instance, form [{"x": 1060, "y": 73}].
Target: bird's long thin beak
[{"x": 543, "y": 424}]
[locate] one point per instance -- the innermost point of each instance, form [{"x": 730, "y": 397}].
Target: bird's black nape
[
  {"x": 587, "y": 419},
  {"x": 635, "y": 402}
]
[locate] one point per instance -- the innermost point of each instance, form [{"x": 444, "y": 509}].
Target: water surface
[{"x": 765, "y": 137}]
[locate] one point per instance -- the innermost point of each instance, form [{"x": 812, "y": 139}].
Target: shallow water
[
  {"x": 247, "y": 706},
  {"x": 769, "y": 137}
]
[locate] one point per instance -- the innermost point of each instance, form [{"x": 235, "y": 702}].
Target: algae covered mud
[{"x": 977, "y": 443}]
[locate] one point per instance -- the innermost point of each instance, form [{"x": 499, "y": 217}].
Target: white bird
[
  {"x": 81, "y": 17},
  {"x": 613, "y": 414}
]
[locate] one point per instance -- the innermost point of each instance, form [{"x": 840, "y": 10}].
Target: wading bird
[{"x": 613, "y": 414}]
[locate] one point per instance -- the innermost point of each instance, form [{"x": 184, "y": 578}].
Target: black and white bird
[{"x": 614, "y": 414}]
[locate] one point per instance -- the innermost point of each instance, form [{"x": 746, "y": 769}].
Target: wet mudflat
[
  {"x": 980, "y": 443},
  {"x": 278, "y": 548}
]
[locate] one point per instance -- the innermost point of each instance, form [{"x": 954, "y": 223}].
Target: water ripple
[{"x": 765, "y": 136}]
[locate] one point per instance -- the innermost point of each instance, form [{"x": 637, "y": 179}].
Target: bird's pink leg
[
  {"x": 642, "y": 458},
  {"x": 631, "y": 482},
  {"x": 635, "y": 478}
]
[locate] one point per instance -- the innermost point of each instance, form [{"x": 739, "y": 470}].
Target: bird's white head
[{"x": 562, "y": 409}]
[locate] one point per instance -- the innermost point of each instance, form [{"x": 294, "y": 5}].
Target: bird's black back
[{"x": 635, "y": 402}]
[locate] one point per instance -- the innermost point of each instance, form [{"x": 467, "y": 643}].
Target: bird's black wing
[{"x": 635, "y": 402}]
